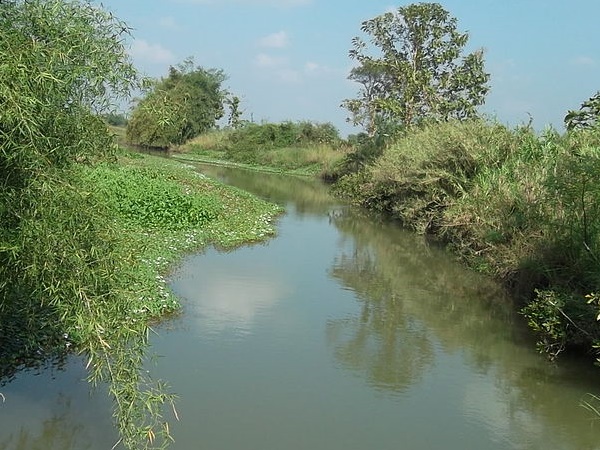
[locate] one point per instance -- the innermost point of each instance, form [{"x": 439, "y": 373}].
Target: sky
[{"x": 288, "y": 59}]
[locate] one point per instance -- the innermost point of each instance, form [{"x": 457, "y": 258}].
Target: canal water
[{"x": 343, "y": 332}]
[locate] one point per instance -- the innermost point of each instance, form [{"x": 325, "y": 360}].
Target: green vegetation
[
  {"x": 87, "y": 233},
  {"x": 147, "y": 198},
  {"x": 84, "y": 245},
  {"x": 412, "y": 70},
  {"x": 520, "y": 207},
  {"x": 176, "y": 108},
  {"x": 587, "y": 116},
  {"x": 115, "y": 119},
  {"x": 297, "y": 147},
  {"x": 96, "y": 252}
]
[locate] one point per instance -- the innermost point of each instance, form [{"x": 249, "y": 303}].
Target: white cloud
[
  {"x": 277, "y": 67},
  {"x": 314, "y": 69},
  {"x": 585, "y": 61},
  {"x": 143, "y": 51},
  {"x": 288, "y": 75},
  {"x": 311, "y": 67},
  {"x": 267, "y": 61},
  {"x": 168, "y": 23},
  {"x": 274, "y": 40},
  {"x": 230, "y": 298}
]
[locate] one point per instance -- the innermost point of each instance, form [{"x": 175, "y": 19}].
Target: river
[{"x": 343, "y": 332}]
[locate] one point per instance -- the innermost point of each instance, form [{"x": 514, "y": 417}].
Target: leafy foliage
[
  {"x": 585, "y": 117},
  {"x": 115, "y": 119},
  {"x": 60, "y": 63},
  {"x": 65, "y": 271},
  {"x": 417, "y": 72},
  {"x": 285, "y": 134},
  {"x": 186, "y": 103},
  {"x": 285, "y": 145},
  {"x": 561, "y": 319},
  {"x": 76, "y": 281}
]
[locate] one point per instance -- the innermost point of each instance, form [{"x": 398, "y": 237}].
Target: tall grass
[
  {"x": 417, "y": 177},
  {"x": 521, "y": 207}
]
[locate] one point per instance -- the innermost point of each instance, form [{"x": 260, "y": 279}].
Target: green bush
[
  {"x": 255, "y": 137},
  {"x": 178, "y": 107},
  {"x": 306, "y": 146}
]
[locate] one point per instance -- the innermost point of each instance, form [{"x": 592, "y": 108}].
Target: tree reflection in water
[
  {"x": 392, "y": 348},
  {"x": 417, "y": 304}
]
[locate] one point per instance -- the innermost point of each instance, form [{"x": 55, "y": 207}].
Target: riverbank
[
  {"x": 516, "y": 205},
  {"x": 168, "y": 210},
  {"x": 98, "y": 248}
]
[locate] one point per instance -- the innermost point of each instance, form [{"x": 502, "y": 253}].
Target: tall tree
[
  {"x": 186, "y": 103},
  {"x": 411, "y": 69}
]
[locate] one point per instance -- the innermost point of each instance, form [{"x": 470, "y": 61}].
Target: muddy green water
[{"x": 343, "y": 332}]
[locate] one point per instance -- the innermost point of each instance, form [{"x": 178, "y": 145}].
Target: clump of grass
[
  {"x": 211, "y": 144},
  {"x": 420, "y": 175}
]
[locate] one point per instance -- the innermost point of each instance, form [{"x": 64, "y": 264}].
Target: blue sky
[{"x": 288, "y": 59}]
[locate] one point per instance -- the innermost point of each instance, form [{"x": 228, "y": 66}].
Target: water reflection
[
  {"x": 401, "y": 278},
  {"x": 55, "y": 410},
  {"x": 56, "y": 432},
  {"x": 230, "y": 297},
  {"x": 439, "y": 338},
  {"x": 419, "y": 310},
  {"x": 301, "y": 195},
  {"x": 392, "y": 348}
]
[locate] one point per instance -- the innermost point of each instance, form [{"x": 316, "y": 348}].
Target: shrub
[{"x": 288, "y": 145}]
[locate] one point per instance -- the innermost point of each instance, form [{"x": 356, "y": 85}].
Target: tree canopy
[
  {"x": 186, "y": 103},
  {"x": 61, "y": 63},
  {"x": 413, "y": 68}
]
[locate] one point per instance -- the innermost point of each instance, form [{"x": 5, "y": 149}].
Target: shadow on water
[
  {"x": 55, "y": 432},
  {"x": 52, "y": 408},
  {"x": 29, "y": 341}
]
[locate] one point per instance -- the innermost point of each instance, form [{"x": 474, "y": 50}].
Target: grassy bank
[
  {"x": 301, "y": 148},
  {"x": 521, "y": 207},
  {"x": 90, "y": 258}
]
